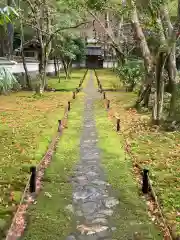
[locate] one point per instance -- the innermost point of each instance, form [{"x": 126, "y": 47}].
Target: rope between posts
[
  {"x": 159, "y": 208},
  {"x": 153, "y": 194},
  {"x": 27, "y": 186},
  {"x": 149, "y": 180},
  {"x": 20, "y": 204}
]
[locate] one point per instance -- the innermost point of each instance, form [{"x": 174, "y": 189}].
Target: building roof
[
  {"x": 34, "y": 43},
  {"x": 94, "y": 51},
  {"x": 31, "y": 44}
]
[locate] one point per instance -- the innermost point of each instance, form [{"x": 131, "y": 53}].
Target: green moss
[
  {"x": 49, "y": 218},
  {"x": 157, "y": 150},
  {"x": 27, "y": 125},
  {"x": 67, "y": 84},
  {"x": 131, "y": 215},
  {"x": 107, "y": 81}
]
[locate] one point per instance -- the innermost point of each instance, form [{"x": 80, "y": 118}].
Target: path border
[
  {"x": 150, "y": 194},
  {"x": 19, "y": 223}
]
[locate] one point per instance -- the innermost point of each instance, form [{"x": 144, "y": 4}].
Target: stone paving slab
[{"x": 93, "y": 203}]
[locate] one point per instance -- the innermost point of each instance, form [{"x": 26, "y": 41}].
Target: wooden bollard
[
  {"x": 118, "y": 124},
  {"x": 32, "y": 183},
  {"x": 108, "y": 104},
  {"x": 69, "y": 106},
  {"x": 104, "y": 95},
  {"x": 74, "y": 95},
  {"x": 59, "y": 125},
  {"x": 145, "y": 182}
]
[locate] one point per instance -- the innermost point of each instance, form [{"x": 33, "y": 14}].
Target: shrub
[
  {"x": 8, "y": 81},
  {"x": 131, "y": 73}
]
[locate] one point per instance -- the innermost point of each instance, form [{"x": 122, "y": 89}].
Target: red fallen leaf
[
  {"x": 127, "y": 148},
  {"x": 178, "y": 214},
  {"x": 22, "y": 151},
  {"x": 11, "y": 196}
]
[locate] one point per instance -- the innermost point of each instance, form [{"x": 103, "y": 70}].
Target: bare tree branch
[
  {"x": 51, "y": 36},
  {"x": 114, "y": 44},
  {"x": 65, "y": 28}
]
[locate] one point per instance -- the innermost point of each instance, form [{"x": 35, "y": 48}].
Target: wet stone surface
[{"x": 92, "y": 202}]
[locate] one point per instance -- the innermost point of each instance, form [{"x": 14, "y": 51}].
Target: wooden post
[
  {"x": 69, "y": 106},
  {"x": 108, "y": 104},
  {"x": 32, "y": 183},
  {"x": 104, "y": 95},
  {"x": 145, "y": 182},
  {"x": 59, "y": 125},
  {"x": 74, "y": 95},
  {"x": 118, "y": 125}
]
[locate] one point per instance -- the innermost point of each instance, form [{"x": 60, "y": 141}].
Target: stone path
[{"x": 92, "y": 202}]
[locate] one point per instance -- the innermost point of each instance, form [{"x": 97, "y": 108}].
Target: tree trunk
[
  {"x": 110, "y": 34},
  {"x": 159, "y": 94},
  {"x": 69, "y": 69},
  {"x": 131, "y": 86},
  {"x": 2, "y": 44},
  {"x": 147, "y": 97},
  {"x": 10, "y": 32},
  {"x": 65, "y": 68},
  {"x": 173, "y": 81},
  {"x": 38, "y": 89},
  {"x": 58, "y": 68},
  {"x": 45, "y": 69},
  {"x": 145, "y": 94},
  {"x": 55, "y": 66},
  {"x": 42, "y": 70},
  {"x": 147, "y": 57},
  {"x": 46, "y": 45},
  {"x": 171, "y": 61},
  {"x": 27, "y": 76}
]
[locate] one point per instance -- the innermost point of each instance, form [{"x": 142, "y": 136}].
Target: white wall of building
[
  {"x": 18, "y": 68},
  {"x": 33, "y": 66},
  {"x": 109, "y": 64}
]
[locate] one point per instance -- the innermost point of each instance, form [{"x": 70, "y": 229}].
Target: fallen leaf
[{"x": 47, "y": 195}]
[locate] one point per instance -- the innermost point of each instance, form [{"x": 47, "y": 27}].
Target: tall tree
[
  {"x": 48, "y": 18},
  {"x": 69, "y": 48}
]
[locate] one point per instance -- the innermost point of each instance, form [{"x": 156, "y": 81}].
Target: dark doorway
[
  {"x": 93, "y": 62},
  {"x": 94, "y": 57}
]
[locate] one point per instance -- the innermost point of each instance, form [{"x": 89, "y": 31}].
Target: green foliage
[
  {"x": 118, "y": 167},
  {"x": 50, "y": 218},
  {"x": 131, "y": 73},
  {"x": 173, "y": 6},
  {"x": 80, "y": 50},
  {"x": 70, "y": 48},
  {"x": 16, "y": 40},
  {"x": 157, "y": 149},
  {"x": 7, "y": 81},
  {"x": 27, "y": 126},
  {"x": 7, "y": 14},
  {"x": 177, "y": 110},
  {"x": 96, "y": 4}
]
